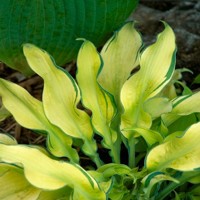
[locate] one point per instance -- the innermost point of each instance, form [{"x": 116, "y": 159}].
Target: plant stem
[
  {"x": 184, "y": 178},
  {"x": 131, "y": 152},
  {"x": 115, "y": 152},
  {"x": 93, "y": 154},
  {"x": 116, "y": 147},
  {"x": 97, "y": 160}
]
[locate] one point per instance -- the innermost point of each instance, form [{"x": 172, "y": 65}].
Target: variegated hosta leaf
[
  {"x": 15, "y": 186},
  {"x": 169, "y": 91},
  {"x": 151, "y": 137},
  {"x": 7, "y": 139},
  {"x": 117, "y": 174},
  {"x": 60, "y": 98},
  {"x": 157, "y": 106},
  {"x": 180, "y": 153},
  {"x": 156, "y": 69},
  {"x": 120, "y": 57},
  {"x": 152, "y": 179},
  {"x": 29, "y": 112},
  {"x": 10, "y": 175},
  {"x": 49, "y": 174},
  {"x": 182, "y": 106},
  {"x": 93, "y": 96},
  {"x": 111, "y": 169},
  {"x": 4, "y": 113}
]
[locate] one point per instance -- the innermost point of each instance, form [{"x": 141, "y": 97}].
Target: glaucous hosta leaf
[
  {"x": 55, "y": 26},
  {"x": 120, "y": 57},
  {"x": 60, "y": 98},
  {"x": 156, "y": 69},
  {"x": 94, "y": 97},
  {"x": 14, "y": 186},
  {"x": 182, "y": 106},
  {"x": 29, "y": 112},
  {"x": 49, "y": 174},
  {"x": 180, "y": 153}
]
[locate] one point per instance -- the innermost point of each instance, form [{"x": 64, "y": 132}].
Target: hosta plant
[{"x": 142, "y": 139}]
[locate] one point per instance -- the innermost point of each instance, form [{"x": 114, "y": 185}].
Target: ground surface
[{"x": 182, "y": 15}]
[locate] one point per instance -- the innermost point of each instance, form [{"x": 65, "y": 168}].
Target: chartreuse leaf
[
  {"x": 170, "y": 91},
  {"x": 29, "y": 112},
  {"x": 94, "y": 97},
  {"x": 182, "y": 106},
  {"x": 49, "y": 174},
  {"x": 11, "y": 174},
  {"x": 156, "y": 69},
  {"x": 60, "y": 98},
  {"x": 111, "y": 169},
  {"x": 7, "y": 139},
  {"x": 120, "y": 57},
  {"x": 181, "y": 153},
  {"x": 4, "y": 113},
  {"x": 157, "y": 106},
  {"x": 14, "y": 185},
  {"x": 151, "y": 137}
]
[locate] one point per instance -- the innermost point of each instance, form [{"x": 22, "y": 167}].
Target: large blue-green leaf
[{"x": 55, "y": 25}]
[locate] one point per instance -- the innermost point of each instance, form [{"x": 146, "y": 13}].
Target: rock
[{"x": 183, "y": 17}]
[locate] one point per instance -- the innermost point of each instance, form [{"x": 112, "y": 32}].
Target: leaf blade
[
  {"x": 61, "y": 96},
  {"x": 93, "y": 96},
  {"x": 29, "y": 112},
  {"x": 120, "y": 57},
  {"x": 157, "y": 68},
  {"x": 181, "y": 153},
  {"x": 57, "y": 175}
]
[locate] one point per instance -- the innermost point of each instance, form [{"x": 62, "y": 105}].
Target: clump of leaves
[{"x": 141, "y": 110}]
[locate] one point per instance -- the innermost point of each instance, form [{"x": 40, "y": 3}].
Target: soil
[{"x": 182, "y": 15}]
